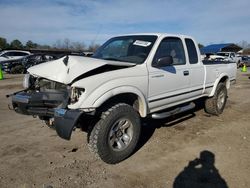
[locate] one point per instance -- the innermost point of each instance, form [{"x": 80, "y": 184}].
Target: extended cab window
[
  {"x": 171, "y": 46},
  {"x": 192, "y": 53}
]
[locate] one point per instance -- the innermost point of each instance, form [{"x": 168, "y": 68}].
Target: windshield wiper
[
  {"x": 122, "y": 60},
  {"x": 112, "y": 59}
]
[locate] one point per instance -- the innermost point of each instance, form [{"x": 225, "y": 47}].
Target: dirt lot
[{"x": 31, "y": 155}]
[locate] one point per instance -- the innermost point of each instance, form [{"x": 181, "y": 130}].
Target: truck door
[
  {"x": 168, "y": 84},
  {"x": 197, "y": 71}
]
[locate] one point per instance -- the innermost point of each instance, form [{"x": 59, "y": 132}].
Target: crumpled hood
[{"x": 75, "y": 66}]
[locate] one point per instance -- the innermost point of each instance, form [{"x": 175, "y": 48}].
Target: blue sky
[{"x": 46, "y": 21}]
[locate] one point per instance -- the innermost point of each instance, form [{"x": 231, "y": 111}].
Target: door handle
[{"x": 186, "y": 73}]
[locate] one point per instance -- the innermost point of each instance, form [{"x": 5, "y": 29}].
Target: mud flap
[{"x": 65, "y": 121}]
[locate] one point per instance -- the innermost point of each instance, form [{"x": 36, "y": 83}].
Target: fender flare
[
  {"x": 143, "y": 107},
  {"x": 217, "y": 81}
]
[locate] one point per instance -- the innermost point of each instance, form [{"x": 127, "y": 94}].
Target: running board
[{"x": 173, "y": 112}]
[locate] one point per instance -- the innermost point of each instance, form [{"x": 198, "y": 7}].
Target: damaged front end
[
  {"x": 48, "y": 100},
  {"x": 49, "y": 93}
]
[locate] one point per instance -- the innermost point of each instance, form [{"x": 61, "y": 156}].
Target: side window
[
  {"x": 192, "y": 53},
  {"x": 15, "y": 54},
  {"x": 20, "y": 54},
  {"x": 7, "y": 54},
  {"x": 12, "y": 54},
  {"x": 171, "y": 46}
]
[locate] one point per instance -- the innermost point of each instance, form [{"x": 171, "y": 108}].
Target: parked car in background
[
  {"x": 223, "y": 56},
  {"x": 88, "y": 54},
  {"x": 231, "y": 56},
  {"x": 245, "y": 60},
  {"x": 12, "y": 55},
  {"x": 21, "y": 65}
]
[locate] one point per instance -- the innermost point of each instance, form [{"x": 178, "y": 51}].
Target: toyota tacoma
[{"x": 128, "y": 78}]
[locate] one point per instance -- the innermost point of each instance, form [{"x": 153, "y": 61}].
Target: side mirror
[{"x": 164, "y": 61}]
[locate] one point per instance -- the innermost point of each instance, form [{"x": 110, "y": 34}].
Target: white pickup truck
[
  {"x": 129, "y": 78},
  {"x": 226, "y": 56}
]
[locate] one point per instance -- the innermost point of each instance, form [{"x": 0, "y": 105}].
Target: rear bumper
[{"x": 48, "y": 105}]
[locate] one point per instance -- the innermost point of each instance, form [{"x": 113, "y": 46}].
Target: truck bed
[{"x": 215, "y": 69}]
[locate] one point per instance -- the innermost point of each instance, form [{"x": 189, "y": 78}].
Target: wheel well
[
  {"x": 128, "y": 98},
  {"x": 225, "y": 80}
]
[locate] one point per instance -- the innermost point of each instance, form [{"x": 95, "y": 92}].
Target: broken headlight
[
  {"x": 43, "y": 84},
  {"x": 75, "y": 94}
]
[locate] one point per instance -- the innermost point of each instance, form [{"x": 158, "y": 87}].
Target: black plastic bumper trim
[
  {"x": 65, "y": 121},
  {"x": 21, "y": 98},
  {"x": 37, "y": 103}
]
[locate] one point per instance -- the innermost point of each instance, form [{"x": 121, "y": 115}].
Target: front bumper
[
  {"x": 49, "y": 105},
  {"x": 37, "y": 103}
]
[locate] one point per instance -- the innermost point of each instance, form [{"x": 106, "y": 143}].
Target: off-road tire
[
  {"x": 100, "y": 134},
  {"x": 211, "y": 106}
]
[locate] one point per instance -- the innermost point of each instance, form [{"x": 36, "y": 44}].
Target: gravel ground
[{"x": 192, "y": 148}]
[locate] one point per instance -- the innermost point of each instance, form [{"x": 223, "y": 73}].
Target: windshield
[{"x": 132, "y": 49}]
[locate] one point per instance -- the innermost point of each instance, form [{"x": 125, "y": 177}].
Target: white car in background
[
  {"x": 226, "y": 56},
  {"x": 232, "y": 56},
  {"x": 12, "y": 55}
]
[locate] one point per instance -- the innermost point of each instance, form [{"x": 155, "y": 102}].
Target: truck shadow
[
  {"x": 200, "y": 172},
  {"x": 149, "y": 125}
]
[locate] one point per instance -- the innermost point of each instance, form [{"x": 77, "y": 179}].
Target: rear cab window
[{"x": 192, "y": 52}]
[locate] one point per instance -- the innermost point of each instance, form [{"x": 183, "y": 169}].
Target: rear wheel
[
  {"x": 216, "y": 104},
  {"x": 116, "y": 134}
]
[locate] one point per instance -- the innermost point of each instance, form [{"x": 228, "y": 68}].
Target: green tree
[
  {"x": 46, "y": 47},
  {"x": 30, "y": 44},
  {"x": 200, "y": 45},
  {"x": 78, "y": 46},
  {"x": 3, "y": 43},
  {"x": 93, "y": 47},
  {"x": 16, "y": 44}
]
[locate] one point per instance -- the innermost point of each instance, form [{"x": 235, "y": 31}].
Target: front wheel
[
  {"x": 116, "y": 134},
  {"x": 216, "y": 104}
]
